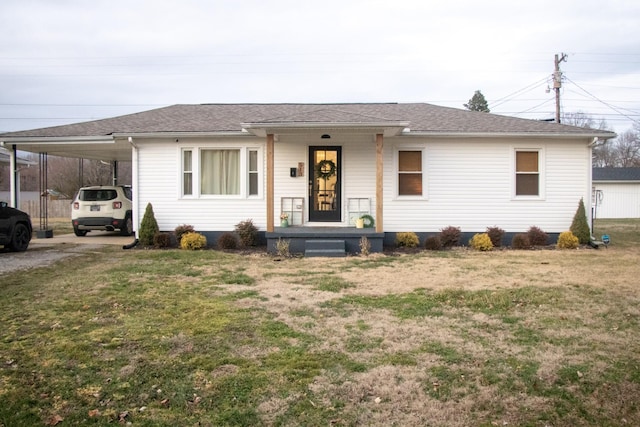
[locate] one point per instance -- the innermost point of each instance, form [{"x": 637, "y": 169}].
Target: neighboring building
[
  {"x": 410, "y": 167},
  {"x": 616, "y": 192}
]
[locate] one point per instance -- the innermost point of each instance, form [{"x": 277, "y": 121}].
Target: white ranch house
[{"x": 409, "y": 167}]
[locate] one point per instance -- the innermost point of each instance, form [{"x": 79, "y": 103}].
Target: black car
[{"x": 15, "y": 228}]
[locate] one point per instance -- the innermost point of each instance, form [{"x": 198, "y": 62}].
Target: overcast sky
[{"x": 66, "y": 61}]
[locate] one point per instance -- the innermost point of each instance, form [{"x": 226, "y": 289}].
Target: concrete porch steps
[{"x": 325, "y": 248}]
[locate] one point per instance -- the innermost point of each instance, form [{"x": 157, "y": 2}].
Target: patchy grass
[{"x": 212, "y": 338}]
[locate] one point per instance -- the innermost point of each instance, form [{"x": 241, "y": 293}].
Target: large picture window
[
  {"x": 410, "y": 173},
  {"x": 527, "y": 173},
  {"x": 220, "y": 172}
]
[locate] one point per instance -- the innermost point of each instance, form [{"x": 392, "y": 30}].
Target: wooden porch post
[
  {"x": 270, "y": 174},
  {"x": 379, "y": 182}
]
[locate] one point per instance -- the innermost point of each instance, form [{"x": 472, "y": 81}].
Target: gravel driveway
[{"x": 44, "y": 252}]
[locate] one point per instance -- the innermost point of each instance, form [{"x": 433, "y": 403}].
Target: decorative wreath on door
[{"x": 325, "y": 169}]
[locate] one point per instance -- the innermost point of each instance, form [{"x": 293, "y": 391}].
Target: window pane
[
  {"x": 187, "y": 158},
  {"x": 253, "y": 161},
  {"x": 220, "y": 172},
  {"x": 410, "y": 184},
  {"x": 187, "y": 184},
  {"x": 527, "y": 185},
  {"x": 410, "y": 161},
  {"x": 526, "y": 161},
  {"x": 253, "y": 184}
]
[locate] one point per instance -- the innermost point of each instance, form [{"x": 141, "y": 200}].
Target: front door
[{"x": 324, "y": 184}]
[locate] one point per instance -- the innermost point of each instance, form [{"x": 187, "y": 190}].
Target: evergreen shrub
[
  {"x": 148, "y": 226},
  {"x": 481, "y": 242},
  {"x": 181, "y": 230},
  {"x": 567, "y": 240},
  {"x": 580, "y": 226},
  {"x": 407, "y": 239},
  {"x": 193, "y": 241}
]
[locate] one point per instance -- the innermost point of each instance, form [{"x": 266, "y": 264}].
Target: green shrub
[
  {"x": 495, "y": 234},
  {"x": 227, "y": 241},
  {"x": 432, "y": 243},
  {"x": 407, "y": 239},
  {"x": 247, "y": 232},
  {"x": 520, "y": 241},
  {"x": 580, "y": 226},
  {"x": 536, "y": 236},
  {"x": 161, "y": 240},
  {"x": 567, "y": 240},
  {"x": 181, "y": 230},
  {"x": 193, "y": 241},
  {"x": 148, "y": 227},
  {"x": 481, "y": 242},
  {"x": 450, "y": 236}
]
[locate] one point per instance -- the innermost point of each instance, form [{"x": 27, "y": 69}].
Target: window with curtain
[
  {"x": 527, "y": 173},
  {"x": 410, "y": 173},
  {"x": 220, "y": 172}
]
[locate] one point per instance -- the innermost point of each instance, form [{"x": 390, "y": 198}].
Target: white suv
[{"x": 102, "y": 208}]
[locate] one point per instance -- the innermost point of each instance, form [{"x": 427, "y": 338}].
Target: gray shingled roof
[
  {"x": 616, "y": 174},
  {"x": 230, "y": 117}
]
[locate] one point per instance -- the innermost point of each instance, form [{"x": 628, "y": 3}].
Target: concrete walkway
[{"x": 92, "y": 238}]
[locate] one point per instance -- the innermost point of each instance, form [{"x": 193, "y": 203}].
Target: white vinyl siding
[
  {"x": 471, "y": 185},
  {"x": 618, "y": 200},
  {"x": 164, "y": 189}
]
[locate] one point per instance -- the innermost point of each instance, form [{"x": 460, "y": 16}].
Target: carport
[{"x": 44, "y": 142}]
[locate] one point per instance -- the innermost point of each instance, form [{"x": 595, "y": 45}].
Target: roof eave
[{"x": 385, "y": 128}]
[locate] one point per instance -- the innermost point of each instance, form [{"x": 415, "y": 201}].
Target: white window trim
[
  {"x": 541, "y": 173},
  {"x": 396, "y": 172},
  {"x": 244, "y": 173},
  {"x": 181, "y": 171}
]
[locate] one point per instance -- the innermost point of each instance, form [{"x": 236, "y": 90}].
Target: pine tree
[
  {"x": 148, "y": 226},
  {"x": 477, "y": 103},
  {"x": 580, "y": 226}
]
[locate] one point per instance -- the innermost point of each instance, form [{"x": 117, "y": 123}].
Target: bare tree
[{"x": 627, "y": 149}]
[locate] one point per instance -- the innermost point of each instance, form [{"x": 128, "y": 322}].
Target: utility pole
[{"x": 557, "y": 82}]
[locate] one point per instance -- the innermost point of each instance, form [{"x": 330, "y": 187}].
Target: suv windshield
[{"x": 97, "y": 195}]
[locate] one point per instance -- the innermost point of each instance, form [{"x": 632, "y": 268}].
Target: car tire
[
  {"x": 127, "y": 230},
  {"x": 20, "y": 239},
  {"x": 78, "y": 232}
]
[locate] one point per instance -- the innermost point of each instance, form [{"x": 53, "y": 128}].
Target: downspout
[{"x": 135, "y": 193}]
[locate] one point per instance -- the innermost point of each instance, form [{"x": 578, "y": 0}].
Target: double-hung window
[
  {"x": 187, "y": 172},
  {"x": 410, "y": 173},
  {"x": 527, "y": 179}
]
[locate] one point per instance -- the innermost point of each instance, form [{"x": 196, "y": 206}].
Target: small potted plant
[{"x": 284, "y": 219}]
